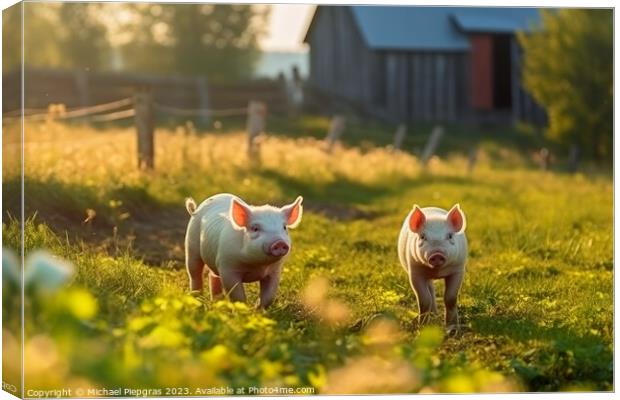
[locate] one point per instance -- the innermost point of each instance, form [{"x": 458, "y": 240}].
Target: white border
[{"x": 532, "y": 3}]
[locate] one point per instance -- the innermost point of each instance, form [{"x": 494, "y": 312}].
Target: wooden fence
[
  {"x": 142, "y": 108},
  {"x": 103, "y": 97}
]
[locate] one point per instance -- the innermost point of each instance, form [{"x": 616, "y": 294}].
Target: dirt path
[{"x": 158, "y": 237}]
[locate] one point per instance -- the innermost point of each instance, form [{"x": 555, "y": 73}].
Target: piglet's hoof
[
  {"x": 453, "y": 331},
  {"x": 425, "y": 319}
]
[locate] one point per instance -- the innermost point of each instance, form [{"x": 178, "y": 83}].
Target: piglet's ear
[
  {"x": 239, "y": 213},
  {"x": 416, "y": 219},
  {"x": 292, "y": 213},
  {"x": 456, "y": 219}
]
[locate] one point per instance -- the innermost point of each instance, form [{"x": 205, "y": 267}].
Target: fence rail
[
  {"x": 114, "y": 116},
  {"x": 142, "y": 107},
  {"x": 58, "y": 112}
]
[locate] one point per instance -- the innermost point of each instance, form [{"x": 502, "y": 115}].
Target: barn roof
[
  {"x": 435, "y": 28},
  {"x": 496, "y": 20}
]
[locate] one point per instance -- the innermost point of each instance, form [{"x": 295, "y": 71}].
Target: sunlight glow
[{"x": 287, "y": 27}]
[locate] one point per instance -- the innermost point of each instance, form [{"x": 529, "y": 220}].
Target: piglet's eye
[
  {"x": 255, "y": 228},
  {"x": 284, "y": 226},
  {"x": 450, "y": 236},
  {"x": 422, "y": 236}
]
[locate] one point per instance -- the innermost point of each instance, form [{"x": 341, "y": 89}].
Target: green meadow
[{"x": 536, "y": 305}]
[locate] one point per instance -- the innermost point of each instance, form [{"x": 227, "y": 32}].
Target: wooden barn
[{"x": 423, "y": 63}]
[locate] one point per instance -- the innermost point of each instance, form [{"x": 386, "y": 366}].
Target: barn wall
[
  {"x": 407, "y": 85},
  {"x": 340, "y": 63},
  {"x": 401, "y": 86},
  {"x": 426, "y": 86},
  {"x": 396, "y": 85},
  {"x": 524, "y": 108},
  {"x": 323, "y": 50}
]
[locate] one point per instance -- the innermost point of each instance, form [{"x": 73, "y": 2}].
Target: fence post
[
  {"x": 431, "y": 145},
  {"x": 203, "y": 98},
  {"x": 257, "y": 111},
  {"x": 399, "y": 136},
  {"x": 472, "y": 160},
  {"x": 81, "y": 83},
  {"x": 296, "y": 91},
  {"x": 336, "y": 127},
  {"x": 145, "y": 128},
  {"x": 545, "y": 158},
  {"x": 573, "y": 158}
]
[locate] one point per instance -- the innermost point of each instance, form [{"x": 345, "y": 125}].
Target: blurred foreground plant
[{"x": 384, "y": 363}]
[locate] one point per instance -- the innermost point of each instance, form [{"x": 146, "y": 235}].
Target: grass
[{"x": 536, "y": 304}]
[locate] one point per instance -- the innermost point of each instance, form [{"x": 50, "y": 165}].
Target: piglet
[
  {"x": 238, "y": 243},
  {"x": 432, "y": 245}
]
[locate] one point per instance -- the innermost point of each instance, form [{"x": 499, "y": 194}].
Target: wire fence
[
  {"x": 184, "y": 112},
  {"x": 143, "y": 109}
]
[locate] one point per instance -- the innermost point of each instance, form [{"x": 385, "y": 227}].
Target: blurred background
[
  {"x": 524, "y": 68},
  {"x": 248, "y": 40}
]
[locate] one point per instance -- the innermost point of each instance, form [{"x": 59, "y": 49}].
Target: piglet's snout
[
  {"x": 279, "y": 248},
  {"x": 437, "y": 259}
]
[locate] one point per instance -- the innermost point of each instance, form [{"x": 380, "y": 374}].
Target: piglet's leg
[
  {"x": 215, "y": 286},
  {"x": 195, "y": 267},
  {"x": 268, "y": 288},
  {"x": 233, "y": 285},
  {"x": 422, "y": 293},
  {"x": 453, "y": 285},
  {"x": 431, "y": 290}
]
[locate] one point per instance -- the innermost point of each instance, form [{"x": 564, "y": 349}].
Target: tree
[
  {"x": 142, "y": 39},
  {"x": 41, "y": 42},
  {"x": 218, "y": 41},
  {"x": 56, "y": 35},
  {"x": 11, "y": 38},
  {"x": 568, "y": 68},
  {"x": 83, "y": 37},
  {"x": 215, "y": 40}
]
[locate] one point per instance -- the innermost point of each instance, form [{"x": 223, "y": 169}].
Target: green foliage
[
  {"x": 84, "y": 41},
  {"x": 214, "y": 40},
  {"x": 568, "y": 67},
  {"x": 64, "y": 35},
  {"x": 11, "y": 38}
]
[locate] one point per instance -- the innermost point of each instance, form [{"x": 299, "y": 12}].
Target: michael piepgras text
[{"x": 168, "y": 391}]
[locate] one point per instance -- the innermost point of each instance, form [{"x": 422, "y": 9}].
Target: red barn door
[{"x": 482, "y": 71}]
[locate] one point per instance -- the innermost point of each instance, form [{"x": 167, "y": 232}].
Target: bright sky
[{"x": 287, "y": 26}]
